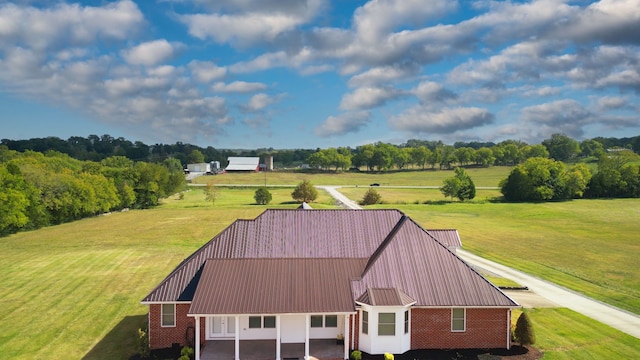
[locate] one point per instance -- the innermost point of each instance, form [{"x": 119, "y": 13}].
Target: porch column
[
  {"x": 197, "y": 338},
  {"x": 347, "y": 336},
  {"x": 353, "y": 328},
  {"x": 237, "y": 320},
  {"x": 307, "y": 320},
  {"x": 278, "y": 337}
]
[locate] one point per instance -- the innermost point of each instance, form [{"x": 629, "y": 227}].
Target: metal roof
[
  {"x": 449, "y": 237},
  {"x": 271, "y": 286},
  {"x": 242, "y": 163},
  {"x": 385, "y": 297},
  {"x": 398, "y": 253}
]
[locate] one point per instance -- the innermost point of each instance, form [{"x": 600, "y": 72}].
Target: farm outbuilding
[{"x": 239, "y": 163}]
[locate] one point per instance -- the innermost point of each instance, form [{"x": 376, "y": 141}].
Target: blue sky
[{"x": 312, "y": 73}]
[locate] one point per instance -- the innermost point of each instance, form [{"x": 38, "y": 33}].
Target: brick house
[{"x": 372, "y": 277}]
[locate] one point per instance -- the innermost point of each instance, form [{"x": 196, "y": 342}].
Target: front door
[{"x": 221, "y": 327}]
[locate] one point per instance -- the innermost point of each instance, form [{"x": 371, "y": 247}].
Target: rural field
[{"x": 72, "y": 291}]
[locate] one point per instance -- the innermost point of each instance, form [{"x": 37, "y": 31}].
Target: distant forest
[{"x": 97, "y": 148}]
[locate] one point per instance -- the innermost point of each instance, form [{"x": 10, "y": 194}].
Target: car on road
[{"x": 374, "y": 184}]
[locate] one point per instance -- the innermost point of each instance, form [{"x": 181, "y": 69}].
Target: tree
[
  {"x": 304, "y": 192},
  {"x": 195, "y": 157},
  {"x": 211, "y": 193},
  {"x": 540, "y": 179},
  {"x": 262, "y": 196},
  {"x": 371, "y": 197},
  {"x": 561, "y": 147},
  {"x": 484, "y": 157},
  {"x": 524, "y": 333},
  {"x": 461, "y": 186}
]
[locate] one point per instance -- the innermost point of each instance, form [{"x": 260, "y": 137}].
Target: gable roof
[
  {"x": 393, "y": 252},
  {"x": 385, "y": 297}
]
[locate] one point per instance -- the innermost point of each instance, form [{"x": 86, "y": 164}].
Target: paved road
[{"x": 607, "y": 314}]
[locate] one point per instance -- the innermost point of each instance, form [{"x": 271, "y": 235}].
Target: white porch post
[
  {"x": 237, "y": 320},
  {"x": 353, "y": 326},
  {"x": 347, "y": 336},
  {"x": 307, "y": 320},
  {"x": 197, "y": 337},
  {"x": 278, "y": 337}
]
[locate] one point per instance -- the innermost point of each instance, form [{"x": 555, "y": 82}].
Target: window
[
  {"x": 365, "y": 322},
  {"x": 258, "y": 322},
  {"x": 406, "y": 322},
  {"x": 316, "y": 321},
  {"x": 270, "y": 322},
  {"x": 255, "y": 322},
  {"x": 328, "y": 321},
  {"x": 168, "y": 316},
  {"x": 457, "y": 319},
  {"x": 386, "y": 324},
  {"x": 331, "y": 321}
]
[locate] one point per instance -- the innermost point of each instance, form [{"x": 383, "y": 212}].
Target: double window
[
  {"x": 458, "y": 320},
  {"x": 406, "y": 322},
  {"x": 259, "y": 322},
  {"x": 327, "y": 321},
  {"x": 168, "y": 315}
]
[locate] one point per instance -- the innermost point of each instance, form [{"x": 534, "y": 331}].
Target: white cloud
[
  {"x": 259, "y": 102},
  {"x": 67, "y": 25},
  {"x": 446, "y": 121},
  {"x": 238, "y": 87},
  {"x": 342, "y": 124},
  {"x": 206, "y": 72},
  {"x": 150, "y": 53},
  {"x": 611, "y": 102},
  {"x": 383, "y": 75},
  {"x": 368, "y": 97}
]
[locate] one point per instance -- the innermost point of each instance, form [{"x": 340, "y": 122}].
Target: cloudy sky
[{"x": 316, "y": 73}]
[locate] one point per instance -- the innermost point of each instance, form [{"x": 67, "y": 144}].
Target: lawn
[
  {"x": 481, "y": 176},
  {"x": 73, "y": 290}
]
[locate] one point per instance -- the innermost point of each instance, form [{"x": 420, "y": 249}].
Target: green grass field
[{"x": 72, "y": 291}]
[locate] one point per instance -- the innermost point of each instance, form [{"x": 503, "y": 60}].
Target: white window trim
[
  {"x": 362, "y": 327},
  {"x": 262, "y": 322},
  {"x": 464, "y": 320},
  {"x": 162, "y": 315}
]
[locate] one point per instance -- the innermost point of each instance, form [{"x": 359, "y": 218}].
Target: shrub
[
  {"x": 388, "y": 356},
  {"x": 186, "y": 353},
  {"x": 371, "y": 197},
  {"x": 262, "y": 196},
  {"x": 524, "y": 331},
  {"x": 304, "y": 192},
  {"x": 142, "y": 343},
  {"x": 356, "y": 355}
]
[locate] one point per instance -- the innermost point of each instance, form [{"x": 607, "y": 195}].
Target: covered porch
[{"x": 322, "y": 349}]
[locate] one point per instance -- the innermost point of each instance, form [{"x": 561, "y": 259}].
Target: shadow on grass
[{"x": 120, "y": 342}]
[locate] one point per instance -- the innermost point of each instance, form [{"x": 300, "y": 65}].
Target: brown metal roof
[
  {"x": 284, "y": 233},
  {"x": 449, "y": 237},
  {"x": 428, "y": 272},
  {"x": 400, "y": 254},
  {"x": 385, "y": 297},
  {"x": 270, "y": 286}
]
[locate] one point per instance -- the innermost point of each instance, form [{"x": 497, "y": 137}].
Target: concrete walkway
[{"x": 606, "y": 314}]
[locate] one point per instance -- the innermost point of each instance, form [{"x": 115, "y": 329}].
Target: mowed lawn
[{"x": 73, "y": 291}]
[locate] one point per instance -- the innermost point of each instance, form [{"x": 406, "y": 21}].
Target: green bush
[
  {"x": 262, "y": 196},
  {"x": 388, "y": 356},
  {"x": 356, "y": 355},
  {"x": 524, "y": 331},
  {"x": 143, "y": 343},
  {"x": 186, "y": 353},
  {"x": 371, "y": 197}
]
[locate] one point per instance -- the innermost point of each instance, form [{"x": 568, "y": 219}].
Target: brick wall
[
  {"x": 164, "y": 337},
  {"x": 485, "y": 328}
]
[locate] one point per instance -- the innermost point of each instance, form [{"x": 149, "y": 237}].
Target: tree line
[
  {"x": 41, "y": 189},
  {"x": 374, "y": 157}
]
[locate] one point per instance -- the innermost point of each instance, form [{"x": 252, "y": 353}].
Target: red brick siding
[
  {"x": 164, "y": 337},
  {"x": 485, "y": 328}
]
